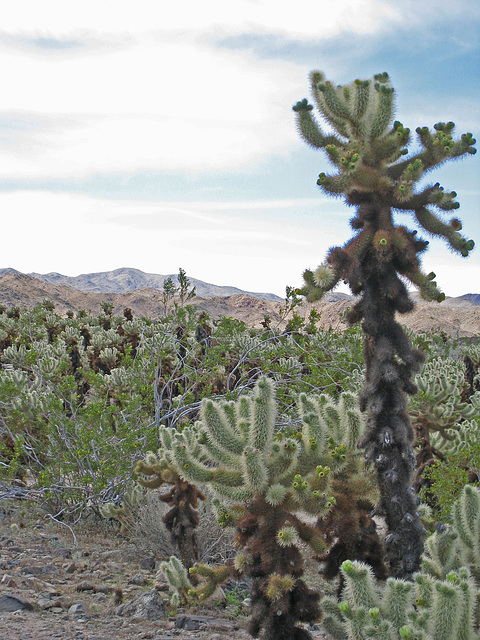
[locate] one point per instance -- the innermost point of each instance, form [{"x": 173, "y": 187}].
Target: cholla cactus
[
  {"x": 457, "y": 544},
  {"x": 367, "y": 149},
  {"x": 439, "y": 604},
  {"x": 127, "y": 512},
  {"x": 182, "y": 519},
  {"x": 439, "y": 413},
  {"x": 262, "y": 482},
  {"x": 425, "y": 609},
  {"x": 178, "y": 581}
]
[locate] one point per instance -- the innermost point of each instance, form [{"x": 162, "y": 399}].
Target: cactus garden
[{"x": 340, "y": 467}]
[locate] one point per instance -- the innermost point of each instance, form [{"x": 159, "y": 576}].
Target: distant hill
[
  {"x": 454, "y": 316},
  {"x": 474, "y": 298},
  {"x": 128, "y": 279}
]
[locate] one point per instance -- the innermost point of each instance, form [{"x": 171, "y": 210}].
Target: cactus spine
[{"x": 367, "y": 149}]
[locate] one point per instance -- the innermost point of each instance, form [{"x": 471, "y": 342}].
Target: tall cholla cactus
[
  {"x": 368, "y": 150},
  {"x": 441, "y": 603},
  {"x": 261, "y": 482}
]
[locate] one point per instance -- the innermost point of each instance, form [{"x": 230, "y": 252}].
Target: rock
[
  {"x": 148, "y": 563},
  {"x": 148, "y": 606},
  {"x": 70, "y": 567},
  {"x": 44, "y": 603},
  {"x": 62, "y": 552},
  {"x": 38, "y": 571},
  {"x": 8, "y": 581},
  {"x": 14, "y": 603},
  {"x": 85, "y": 585},
  {"x": 193, "y": 623},
  {"x": 104, "y": 588},
  {"x": 76, "y": 609},
  {"x": 138, "y": 580}
]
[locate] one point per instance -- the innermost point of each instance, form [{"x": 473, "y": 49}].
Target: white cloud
[
  {"x": 307, "y": 18},
  {"x": 162, "y": 105},
  {"x": 105, "y": 86}
]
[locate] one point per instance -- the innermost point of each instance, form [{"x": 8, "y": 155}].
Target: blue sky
[{"x": 156, "y": 136}]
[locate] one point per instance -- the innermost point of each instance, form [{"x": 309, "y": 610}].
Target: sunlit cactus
[
  {"x": 262, "y": 480},
  {"x": 376, "y": 174}
]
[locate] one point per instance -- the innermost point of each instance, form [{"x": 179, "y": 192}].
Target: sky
[{"x": 158, "y": 135}]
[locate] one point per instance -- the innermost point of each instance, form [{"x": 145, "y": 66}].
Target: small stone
[
  {"x": 56, "y": 610},
  {"x": 70, "y": 567},
  {"x": 8, "y": 581},
  {"x": 148, "y": 606},
  {"x": 100, "y": 597},
  {"x": 103, "y": 589},
  {"x": 44, "y": 603},
  {"x": 148, "y": 563},
  {"x": 38, "y": 571},
  {"x": 62, "y": 552},
  {"x": 138, "y": 580},
  {"x": 76, "y": 609},
  {"x": 85, "y": 585}
]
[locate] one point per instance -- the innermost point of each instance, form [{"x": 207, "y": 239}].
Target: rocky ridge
[{"x": 454, "y": 316}]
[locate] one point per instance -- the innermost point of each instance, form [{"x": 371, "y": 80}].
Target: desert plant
[
  {"x": 440, "y": 602},
  {"x": 440, "y": 415},
  {"x": 183, "y": 498},
  {"x": 367, "y": 149},
  {"x": 126, "y": 512},
  {"x": 262, "y": 481}
]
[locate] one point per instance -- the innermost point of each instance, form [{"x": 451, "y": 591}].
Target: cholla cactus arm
[
  {"x": 178, "y": 581},
  {"x": 212, "y": 577},
  {"x": 466, "y": 522},
  {"x": 441, "y": 554}
]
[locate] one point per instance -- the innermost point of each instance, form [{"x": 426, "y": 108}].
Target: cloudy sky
[{"x": 159, "y": 135}]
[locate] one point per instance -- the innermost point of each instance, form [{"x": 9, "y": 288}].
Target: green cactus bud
[{"x": 287, "y": 537}]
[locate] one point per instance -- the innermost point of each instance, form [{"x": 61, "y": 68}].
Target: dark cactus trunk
[
  {"x": 390, "y": 364},
  {"x": 274, "y": 617}
]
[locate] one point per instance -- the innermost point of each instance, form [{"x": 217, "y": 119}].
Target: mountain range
[
  {"x": 140, "y": 292},
  {"x": 128, "y": 279}
]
